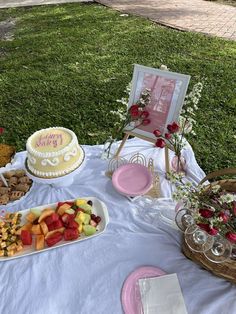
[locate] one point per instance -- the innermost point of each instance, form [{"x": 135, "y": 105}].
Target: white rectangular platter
[{"x": 99, "y": 209}]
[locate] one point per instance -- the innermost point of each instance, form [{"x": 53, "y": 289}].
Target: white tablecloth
[{"x": 87, "y": 277}]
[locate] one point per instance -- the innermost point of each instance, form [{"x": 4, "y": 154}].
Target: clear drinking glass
[
  {"x": 220, "y": 250},
  {"x": 184, "y": 219},
  {"x": 197, "y": 239}
]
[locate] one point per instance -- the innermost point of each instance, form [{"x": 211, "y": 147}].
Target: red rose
[
  {"x": 144, "y": 114},
  {"x": 206, "y": 213},
  {"x": 160, "y": 143},
  {"x": 203, "y": 226},
  {"x": 224, "y": 216},
  {"x": 134, "y": 111},
  {"x": 1, "y": 130},
  {"x": 168, "y": 136},
  {"x": 157, "y": 133},
  {"x": 173, "y": 128},
  {"x": 231, "y": 236},
  {"x": 213, "y": 231},
  {"x": 134, "y": 107},
  {"x": 146, "y": 121}
]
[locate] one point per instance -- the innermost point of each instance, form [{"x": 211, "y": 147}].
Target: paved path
[
  {"x": 190, "y": 15},
  {"x": 23, "y": 3}
]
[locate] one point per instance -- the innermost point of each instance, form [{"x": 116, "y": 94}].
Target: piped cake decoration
[{"x": 53, "y": 152}]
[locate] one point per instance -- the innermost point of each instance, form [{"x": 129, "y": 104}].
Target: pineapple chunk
[
  {"x": 80, "y": 201},
  {"x": 80, "y": 228}
]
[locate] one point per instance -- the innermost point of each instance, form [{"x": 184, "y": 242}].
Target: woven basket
[
  {"x": 6, "y": 154},
  {"x": 227, "y": 269}
]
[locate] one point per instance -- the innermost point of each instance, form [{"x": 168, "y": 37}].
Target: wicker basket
[
  {"x": 227, "y": 269},
  {"x": 6, "y": 154}
]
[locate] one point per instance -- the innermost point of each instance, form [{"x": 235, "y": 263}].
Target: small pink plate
[
  {"x": 132, "y": 179},
  {"x": 130, "y": 295}
]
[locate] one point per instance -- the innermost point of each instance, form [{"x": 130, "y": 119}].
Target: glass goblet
[
  {"x": 220, "y": 250},
  {"x": 233, "y": 252},
  {"x": 197, "y": 239},
  {"x": 184, "y": 219}
]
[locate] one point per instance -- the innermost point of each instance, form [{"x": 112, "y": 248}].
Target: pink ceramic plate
[
  {"x": 132, "y": 179},
  {"x": 130, "y": 295}
]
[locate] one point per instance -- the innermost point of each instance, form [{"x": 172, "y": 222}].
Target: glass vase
[
  {"x": 178, "y": 164},
  {"x": 109, "y": 149}
]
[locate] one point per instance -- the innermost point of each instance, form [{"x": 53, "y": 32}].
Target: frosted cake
[{"x": 53, "y": 152}]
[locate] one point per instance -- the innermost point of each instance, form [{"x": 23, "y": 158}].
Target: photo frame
[{"x": 167, "y": 90}]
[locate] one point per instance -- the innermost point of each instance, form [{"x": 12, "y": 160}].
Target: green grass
[
  {"x": 229, "y": 2},
  {"x": 68, "y": 64}
]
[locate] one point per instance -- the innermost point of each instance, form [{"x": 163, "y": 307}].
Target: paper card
[{"x": 162, "y": 295}]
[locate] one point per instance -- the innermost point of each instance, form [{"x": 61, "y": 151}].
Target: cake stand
[{"x": 62, "y": 181}]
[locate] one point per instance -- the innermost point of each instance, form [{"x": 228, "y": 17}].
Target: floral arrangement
[
  {"x": 174, "y": 138},
  {"x": 135, "y": 116},
  {"x": 213, "y": 209}
]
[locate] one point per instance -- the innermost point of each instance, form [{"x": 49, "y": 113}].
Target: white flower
[
  {"x": 215, "y": 188},
  {"x": 123, "y": 100},
  {"x": 142, "y": 101},
  {"x": 227, "y": 198},
  {"x": 164, "y": 67}
]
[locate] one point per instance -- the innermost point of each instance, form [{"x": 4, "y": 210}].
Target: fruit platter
[{"x": 49, "y": 226}]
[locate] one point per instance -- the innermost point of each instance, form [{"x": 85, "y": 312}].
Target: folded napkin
[{"x": 162, "y": 295}]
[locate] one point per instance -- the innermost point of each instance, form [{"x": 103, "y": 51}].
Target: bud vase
[
  {"x": 109, "y": 149},
  {"x": 178, "y": 164}
]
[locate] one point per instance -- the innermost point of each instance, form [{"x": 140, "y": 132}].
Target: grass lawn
[
  {"x": 229, "y": 2},
  {"x": 67, "y": 65}
]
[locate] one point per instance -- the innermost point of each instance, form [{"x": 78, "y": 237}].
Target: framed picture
[{"x": 167, "y": 93}]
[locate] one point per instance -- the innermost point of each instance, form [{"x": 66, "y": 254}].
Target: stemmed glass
[
  {"x": 220, "y": 250},
  {"x": 184, "y": 219},
  {"x": 197, "y": 239},
  {"x": 233, "y": 252}
]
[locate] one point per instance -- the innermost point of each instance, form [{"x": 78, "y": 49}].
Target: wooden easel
[{"x": 129, "y": 133}]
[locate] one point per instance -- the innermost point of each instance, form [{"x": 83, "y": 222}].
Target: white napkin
[{"x": 162, "y": 295}]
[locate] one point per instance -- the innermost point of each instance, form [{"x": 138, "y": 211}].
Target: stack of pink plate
[
  {"x": 132, "y": 179},
  {"x": 130, "y": 295}
]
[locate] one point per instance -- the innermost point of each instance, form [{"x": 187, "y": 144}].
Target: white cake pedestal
[{"x": 59, "y": 182}]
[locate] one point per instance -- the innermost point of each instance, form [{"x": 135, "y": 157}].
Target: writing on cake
[{"x": 51, "y": 139}]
